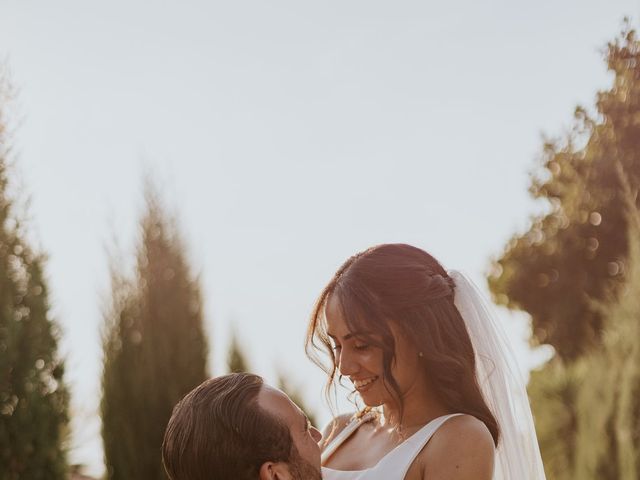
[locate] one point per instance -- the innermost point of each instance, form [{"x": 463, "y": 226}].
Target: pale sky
[{"x": 287, "y": 136}]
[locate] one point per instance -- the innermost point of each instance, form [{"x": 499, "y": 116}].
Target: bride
[{"x": 442, "y": 397}]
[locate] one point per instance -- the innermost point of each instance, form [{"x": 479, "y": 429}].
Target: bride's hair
[{"x": 405, "y": 285}]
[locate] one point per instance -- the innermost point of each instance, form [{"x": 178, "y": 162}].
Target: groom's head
[{"x": 237, "y": 427}]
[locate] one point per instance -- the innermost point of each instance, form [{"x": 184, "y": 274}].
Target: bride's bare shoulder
[
  {"x": 334, "y": 427},
  {"x": 461, "y": 449}
]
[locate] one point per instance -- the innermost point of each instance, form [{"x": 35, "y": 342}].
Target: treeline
[
  {"x": 154, "y": 345},
  {"x": 576, "y": 271}
]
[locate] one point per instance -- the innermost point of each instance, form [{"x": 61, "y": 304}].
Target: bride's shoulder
[
  {"x": 334, "y": 427},
  {"x": 462, "y": 446},
  {"x": 465, "y": 432},
  {"x": 464, "y": 425}
]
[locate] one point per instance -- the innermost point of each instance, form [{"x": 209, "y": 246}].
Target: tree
[
  {"x": 574, "y": 256},
  {"x": 154, "y": 345},
  {"x": 588, "y": 411},
  {"x": 33, "y": 396},
  {"x": 236, "y": 361},
  {"x": 553, "y": 391}
]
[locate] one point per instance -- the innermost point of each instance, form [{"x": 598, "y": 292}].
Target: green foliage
[
  {"x": 553, "y": 392},
  {"x": 623, "y": 343},
  {"x": 154, "y": 349},
  {"x": 236, "y": 361},
  {"x": 577, "y": 252},
  {"x": 595, "y": 411},
  {"x": 33, "y": 397},
  {"x": 588, "y": 410}
]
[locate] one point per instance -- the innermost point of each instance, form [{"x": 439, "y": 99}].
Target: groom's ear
[{"x": 274, "y": 471}]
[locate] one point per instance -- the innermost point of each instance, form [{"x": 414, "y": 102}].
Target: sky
[{"x": 285, "y": 136}]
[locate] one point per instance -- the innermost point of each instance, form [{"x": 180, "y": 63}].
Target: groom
[{"x": 237, "y": 427}]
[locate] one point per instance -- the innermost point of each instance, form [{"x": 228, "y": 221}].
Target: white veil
[{"x": 504, "y": 390}]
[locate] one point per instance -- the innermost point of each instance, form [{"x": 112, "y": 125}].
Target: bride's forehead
[
  {"x": 336, "y": 322},
  {"x": 337, "y": 325},
  {"x": 333, "y": 307}
]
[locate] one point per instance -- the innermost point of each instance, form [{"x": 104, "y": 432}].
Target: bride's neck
[{"x": 419, "y": 407}]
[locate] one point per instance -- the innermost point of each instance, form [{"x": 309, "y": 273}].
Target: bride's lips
[{"x": 364, "y": 384}]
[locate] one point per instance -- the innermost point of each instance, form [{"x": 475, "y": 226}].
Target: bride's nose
[{"x": 346, "y": 364}]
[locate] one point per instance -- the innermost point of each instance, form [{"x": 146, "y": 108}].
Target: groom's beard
[{"x": 304, "y": 471}]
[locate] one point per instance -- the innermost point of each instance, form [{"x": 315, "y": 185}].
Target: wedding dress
[{"x": 394, "y": 465}]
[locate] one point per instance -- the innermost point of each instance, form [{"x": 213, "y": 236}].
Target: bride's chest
[
  {"x": 367, "y": 448},
  {"x": 367, "y": 455},
  {"x": 363, "y": 450}
]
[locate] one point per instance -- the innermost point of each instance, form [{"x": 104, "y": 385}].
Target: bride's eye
[{"x": 362, "y": 346}]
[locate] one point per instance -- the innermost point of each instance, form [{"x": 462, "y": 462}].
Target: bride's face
[{"x": 362, "y": 362}]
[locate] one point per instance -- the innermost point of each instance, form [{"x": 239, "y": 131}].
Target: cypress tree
[
  {"x": 155, "y": 348},
  {"x": 33, "y": 396}
]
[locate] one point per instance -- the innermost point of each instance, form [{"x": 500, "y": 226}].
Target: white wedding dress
[{"x": 394, "y": 465}]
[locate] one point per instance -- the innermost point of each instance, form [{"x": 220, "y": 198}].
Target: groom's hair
[{"x": 218, "y": 431}]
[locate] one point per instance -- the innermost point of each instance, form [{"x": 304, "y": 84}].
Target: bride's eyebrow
[{"x": 348, "y": 335}]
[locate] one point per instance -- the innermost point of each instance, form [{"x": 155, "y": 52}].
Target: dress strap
[
  {"x": 396, "y": 464},
  {"x": 346, "y": 432}
]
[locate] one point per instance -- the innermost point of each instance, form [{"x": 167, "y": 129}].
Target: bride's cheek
[{"x": 367, "y": 358}]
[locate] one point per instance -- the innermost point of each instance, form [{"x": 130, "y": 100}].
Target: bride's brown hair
[{"x": 405, "y": 285}]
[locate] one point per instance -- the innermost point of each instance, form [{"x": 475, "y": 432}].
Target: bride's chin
[{"x": 371, "y": 400}]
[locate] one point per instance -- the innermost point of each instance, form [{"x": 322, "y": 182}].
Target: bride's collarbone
[{"x": 365, "y": 448}]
